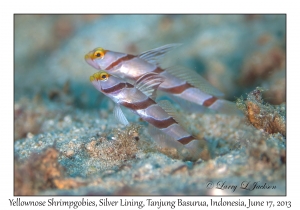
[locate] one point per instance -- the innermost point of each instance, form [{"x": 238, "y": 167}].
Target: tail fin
[
  {"x": 220, "y": 106},
  {"x": 226, "y": 107},
  {"x": 169, "y": 146}
]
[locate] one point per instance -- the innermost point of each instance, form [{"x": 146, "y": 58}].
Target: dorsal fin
[
  {"x": 167, "y": 106},
  {"x": 148, "y": 84},
  {"x": 194, "y": 79},
  {"x": 153, "y": 56}
]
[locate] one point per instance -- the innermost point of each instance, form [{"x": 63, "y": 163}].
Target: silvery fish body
[
  {"x": 140, "y": 102},
  {"x": 180, "y": 82}
]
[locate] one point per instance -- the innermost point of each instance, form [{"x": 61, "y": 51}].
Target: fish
[
  {"x": 140, "y": 99},
  {"x": 180, "y": 82}
]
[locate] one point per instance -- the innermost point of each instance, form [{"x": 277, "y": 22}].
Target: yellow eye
[
  {"x": 99, "y": 53},
  {"x": 102, "y": 76}
]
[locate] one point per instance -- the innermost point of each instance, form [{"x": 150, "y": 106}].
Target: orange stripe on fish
[
  {"x": 210, "y": 101},
  {"x": 138, "y": 105},
  {"x": 117, "y": 62},
  {"x": 186, "y": 140},
  {"x": 176, "y": 89}
]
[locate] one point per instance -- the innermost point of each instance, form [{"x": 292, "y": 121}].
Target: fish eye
[
  {"x": 104, "y": 76},
  {"x": 99, "y": 53}
]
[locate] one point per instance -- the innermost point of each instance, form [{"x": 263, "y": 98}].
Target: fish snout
[{"x": 90, "y": 61}]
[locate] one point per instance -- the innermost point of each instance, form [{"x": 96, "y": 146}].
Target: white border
[{"x": 153, "y": 6}]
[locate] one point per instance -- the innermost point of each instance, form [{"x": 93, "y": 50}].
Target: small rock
[{"x": 69, "y": 153}]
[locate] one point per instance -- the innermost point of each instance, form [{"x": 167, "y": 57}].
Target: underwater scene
[{"x": 149, "y": 104}]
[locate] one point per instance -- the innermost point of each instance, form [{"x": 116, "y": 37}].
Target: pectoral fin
[
  {"x": 148, "y": 84},
  {"x": 119, "y": 115}
]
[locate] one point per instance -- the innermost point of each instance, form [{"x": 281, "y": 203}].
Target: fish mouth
[
  {"x": 90, "y": 61},
  {"x": 97, "y": 84}
]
